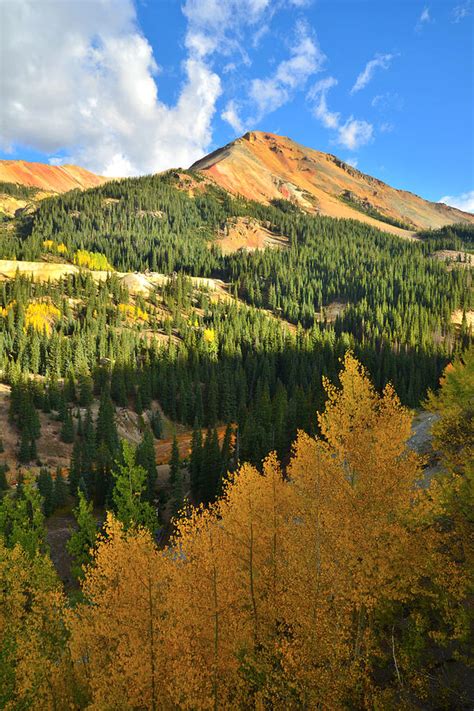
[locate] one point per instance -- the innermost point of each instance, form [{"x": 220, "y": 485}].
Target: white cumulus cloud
[
  {"x": 464, "y": 201},
  {"x": 380, "y": 61},
  {"x": 83, "y": 79}
]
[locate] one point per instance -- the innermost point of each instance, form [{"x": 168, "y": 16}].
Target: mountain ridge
[
  {"x": 264, "y": 167},
  {"x": 52, "y": 178}
]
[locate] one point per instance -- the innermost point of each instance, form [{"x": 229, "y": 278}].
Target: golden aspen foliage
[
  {"x": 210, "y": 339},
  {"x": 328, "y": 585},
  {"x": 133, "y": 312},
  {"x": 228, "y": 574},
  {"x": 117, "y": 642},
  {"x": 41, "y": 316},
  {"x": 92, "y": 260},
  {"x": 61, "y": 248},
  {"x": 209, "y": 335},
  {"x": 353, "y": 493},
  {"x": 34, "y": 672},
  {"x": 6, "y": 310}
]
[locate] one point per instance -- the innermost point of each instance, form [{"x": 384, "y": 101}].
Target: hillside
[
  {"x": 52, "y": 178},
  {"x": 265, "y": 167}
]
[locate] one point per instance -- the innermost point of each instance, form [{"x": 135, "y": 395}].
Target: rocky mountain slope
[
  {"x": 51, "y": 178},
  {"x": 265, "y": 167}
]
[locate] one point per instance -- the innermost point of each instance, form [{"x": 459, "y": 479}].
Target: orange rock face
[
  {"x": 264, "y": 166},
  {"x": 53, "y": 178}
]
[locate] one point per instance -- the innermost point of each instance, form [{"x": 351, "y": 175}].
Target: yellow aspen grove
[
  {"x": 33, "y": 668},
  {"x": 203, "y": 623},
  {"x": 116, "y": 639},
  {"x": 320, "y": 587},
  {"x": 353, "y": 492}
]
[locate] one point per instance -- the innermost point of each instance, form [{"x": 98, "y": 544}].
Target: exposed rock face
[
  {"x": 52, "y": 178},
  {"x": 264, "y": 166}
]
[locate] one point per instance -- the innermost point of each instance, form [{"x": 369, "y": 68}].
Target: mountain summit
[
  {"x": 264, "y": 167},
  {"x": 51, "y": 178}
]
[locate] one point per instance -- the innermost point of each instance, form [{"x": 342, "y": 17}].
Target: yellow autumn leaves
[
  {"x": 133, "y": 312},
  {"x": 288, "y": 593},
  {"x": 92, "y": 260},
  {"x": 41, "y": 316},
  {"x": 5, "y": 311},
  {"x": 53, "y": 246},
  {"x": 268, "y": 599}
]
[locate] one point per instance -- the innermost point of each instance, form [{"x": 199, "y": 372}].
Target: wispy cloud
[
  {"x": 352, "y": 133},
  {"x": 272, "y": 92},
  {"x": 462, "y": 11},
  {"x": 231, "y": 115},
  {"x": 318, "y": 94},
  {"x": 387, "y": 102},
  {"x": 424, "y": 19},
  {"x": 380, "y": 61},
  {"x": 214, "y": 25},
  {"x": 464, "y": 201}
]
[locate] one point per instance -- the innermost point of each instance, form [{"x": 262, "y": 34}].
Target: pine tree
[
  {"x": 24, "y": 452},
  {"x": 177, "y": 493},
  {"x": 88, "y": 447},
  {"x": 83, "y": 539},
  {"x": 226, "y": 457},
  {"x": 4, "y": 486},
  {"x": 46, "y": 489},
  {"x": 211, "y": 466},
  {"x": 67, "y": 429},
  {"x": 157, "y": 424},
  {"x": 130, "y": 484},
  {"x": 22, "y": 520},
  {"x": 106, "y": 430},
  {"x": 60, "y": 491},
  {"x": 146, "y": 458},
  {"x": 75, "y": 467},
  {"x": 86, "y": 392}
]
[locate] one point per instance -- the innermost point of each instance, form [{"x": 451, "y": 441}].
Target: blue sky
[{"x": 126, "y": 87}]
